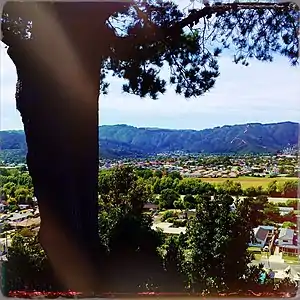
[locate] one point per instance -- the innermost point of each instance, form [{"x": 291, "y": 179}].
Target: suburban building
[
  {"x": 286, "y": 237},
  {"x": 285, "y": 210},
  {"x": 269, "y": 228},
  {"x": 260, "y": 237}
]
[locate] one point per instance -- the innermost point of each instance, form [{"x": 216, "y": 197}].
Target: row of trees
[
  {"x": 162, "y": 180},
  {"x": 211, "y": 257},
  {"x": 16, "y": 186},
  {"x": 171, "y": 186},
  {"x": 270, "y": 213}
]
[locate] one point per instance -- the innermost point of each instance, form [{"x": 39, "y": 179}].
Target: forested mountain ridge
[
  {"x": 247, "y": 138},
  {"x": 13, "y": 147},
  {"x": 127, "y": 141}
]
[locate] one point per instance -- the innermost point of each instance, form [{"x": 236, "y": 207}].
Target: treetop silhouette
[{"x": 143, "y": 36}]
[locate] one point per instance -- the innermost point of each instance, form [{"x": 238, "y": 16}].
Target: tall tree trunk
[{"x": 57, "y": 96}]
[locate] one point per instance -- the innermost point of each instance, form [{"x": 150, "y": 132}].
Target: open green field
[{"x": 249, "y": 181}]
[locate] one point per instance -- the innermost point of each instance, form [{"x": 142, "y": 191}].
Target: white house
[{"x": 286, "y": 237}]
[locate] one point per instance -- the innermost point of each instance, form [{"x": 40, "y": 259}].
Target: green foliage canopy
[{"x": 144, "y": 36}]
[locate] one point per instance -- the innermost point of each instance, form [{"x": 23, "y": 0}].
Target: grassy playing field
[{"x": 249, "y": 181}]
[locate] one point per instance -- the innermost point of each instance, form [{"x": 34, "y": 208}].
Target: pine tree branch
[{"x": 121, "y": 46}]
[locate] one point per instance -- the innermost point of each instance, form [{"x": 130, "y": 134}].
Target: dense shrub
[
  {"x": 27, "y": 267},
  {"x": 179, "y": 223},
  {"x": 169, "y": 214}
]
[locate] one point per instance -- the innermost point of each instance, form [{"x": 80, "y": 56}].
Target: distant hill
[
  {"x": 115, "y": 149},
  {"x": 242, "y": 139},
  {"x": 127, "y": 141},
  {"x": 13, "y": 147}
]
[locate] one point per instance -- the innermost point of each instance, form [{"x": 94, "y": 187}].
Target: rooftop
[{"x": 286, "y": 233}]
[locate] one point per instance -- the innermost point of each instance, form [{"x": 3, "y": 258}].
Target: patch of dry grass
[{"x": 250, "y": 181}]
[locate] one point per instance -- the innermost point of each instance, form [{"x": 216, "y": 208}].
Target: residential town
[
  {"x": 284, "y": 240},
  {"x": 176, "y": 183},
  {"x": 281, "y": 165}
]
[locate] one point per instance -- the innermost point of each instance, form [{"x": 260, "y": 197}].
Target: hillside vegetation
[
  {"x": 127, "y": 141},
  {"x": 248, "y": 138}
]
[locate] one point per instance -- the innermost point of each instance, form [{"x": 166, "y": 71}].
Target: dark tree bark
[{"x": 57, "y": 95}]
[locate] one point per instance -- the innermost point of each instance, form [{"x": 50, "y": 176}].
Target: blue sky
[{"x": 261, "y": 92}]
